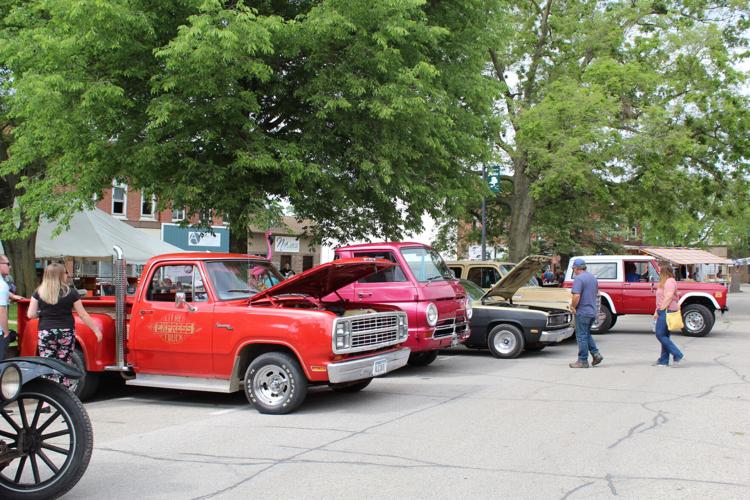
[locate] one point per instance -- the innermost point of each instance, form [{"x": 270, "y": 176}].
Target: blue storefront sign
[{"x": 196, "y": 239}]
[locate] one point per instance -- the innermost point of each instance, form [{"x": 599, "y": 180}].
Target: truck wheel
[
  {"x": 275, "y": 383},
  {"x": 603, "y": 321},
  {"x": 505, "y": 342},
  {"x": 351, "y": 386},
  {"x": 422, "y": 358},
  {"x": 698, "y": 319},
  {"x": 86, "y": 386}
]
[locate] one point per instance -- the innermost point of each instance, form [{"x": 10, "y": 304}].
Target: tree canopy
[{"x": 360, "y": 115}]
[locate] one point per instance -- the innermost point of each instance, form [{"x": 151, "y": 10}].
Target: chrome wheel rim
[
  {"x": 694, "y": 321},
  {"x": 504, "y": 342},
  {"x": 271, "y": 385}
]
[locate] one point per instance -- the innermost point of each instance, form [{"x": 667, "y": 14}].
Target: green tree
[
  {"x": 621, "y": 112},
  {"x": 361, "y": 115}
]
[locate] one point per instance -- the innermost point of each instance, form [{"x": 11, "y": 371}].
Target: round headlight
[
  {"x": 431, "y": 314},
  {"x": 469, "y": 308},
  {"x": 10, "y": 382}
]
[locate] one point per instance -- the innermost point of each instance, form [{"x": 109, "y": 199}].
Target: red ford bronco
[{"x": 627, "y": 285}]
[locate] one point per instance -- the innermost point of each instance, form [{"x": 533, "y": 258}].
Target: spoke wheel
[{"x": 47, "y": 431}]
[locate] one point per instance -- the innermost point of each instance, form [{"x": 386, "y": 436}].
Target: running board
[{"x": 185, "y": 383}]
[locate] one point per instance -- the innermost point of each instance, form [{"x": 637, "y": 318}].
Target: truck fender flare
[
  {"x": 610, "y": 302},
  {"x": 271, "y": 342},
  {"x": 703, "y": 295}
]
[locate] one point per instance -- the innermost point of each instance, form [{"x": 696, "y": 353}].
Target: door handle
[
  {"x": 145, "y": 311},
  {"x": 362, "y": 295},
  {"x": 225, "y": 325}
]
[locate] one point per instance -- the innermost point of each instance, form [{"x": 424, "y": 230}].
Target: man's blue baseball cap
[{"x": 579, "y": 263}]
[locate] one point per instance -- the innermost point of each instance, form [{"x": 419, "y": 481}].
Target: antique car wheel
[
  {"x": 603, "y": 321},
  {"x": 422, "y": 358},
  {"x": 351, "y": 386},
  {"x": 86, "y": 386},
  {"x": 505, "y": 341},
  {"x": 51, "y": 432},
  {"x": 275, "y": 383},
  {"x": 698, "y": 319}
]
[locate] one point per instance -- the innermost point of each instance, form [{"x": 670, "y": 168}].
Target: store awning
[{"x": 686, "y": 256}]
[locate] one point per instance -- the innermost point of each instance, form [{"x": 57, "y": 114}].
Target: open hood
[
  {"x": 518, "y": 277},
  {"x": 325, "y": 278}
]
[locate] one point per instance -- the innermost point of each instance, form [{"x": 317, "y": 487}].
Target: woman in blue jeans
[{"x": 666, "y": 301}]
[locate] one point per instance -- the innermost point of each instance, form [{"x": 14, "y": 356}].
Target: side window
[
  {"x": 603, "y": 270},
  {"x": 638, "y": 271},
  {"x": 456, "y": 271},
  {"x": 488, "y": 276},
  {"x": 475, "y": 276},
  {"x": 168, "y": 280},
  {"x": 392, "y": 275}
]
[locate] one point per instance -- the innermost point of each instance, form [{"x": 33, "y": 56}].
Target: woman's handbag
[{"x": 674, "y": 321}]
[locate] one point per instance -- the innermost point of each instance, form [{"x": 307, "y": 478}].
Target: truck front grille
[
  {"x": 369, "y": 332},
  {"x": 447, "y": 327}
]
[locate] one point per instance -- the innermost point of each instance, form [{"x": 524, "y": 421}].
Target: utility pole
[{"x": 484, "y": 215}]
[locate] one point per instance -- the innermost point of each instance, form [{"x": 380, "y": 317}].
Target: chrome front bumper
[
  {"x": 554, "y": 336},
  {"x": 359, "y": 369}
]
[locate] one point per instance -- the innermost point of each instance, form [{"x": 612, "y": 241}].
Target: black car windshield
[
  {"x": 472, "y": 289},
  {"x": 240, "y": 279},
  {"x": 425, "y": 264}
]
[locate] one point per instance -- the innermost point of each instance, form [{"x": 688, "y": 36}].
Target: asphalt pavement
[{"x": 467, "y": 426}]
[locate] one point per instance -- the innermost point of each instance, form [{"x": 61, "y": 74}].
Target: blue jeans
[
  {"x": 586, "y": 342},
  {"x": 662, "y": 335}
]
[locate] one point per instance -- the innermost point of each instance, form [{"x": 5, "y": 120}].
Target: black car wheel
[
  {"x": 86, "y": 386},
  {"x": 422, "y": 358},
  {"x": 603, "y": 321},
  {"x": 505, "y": 341}
]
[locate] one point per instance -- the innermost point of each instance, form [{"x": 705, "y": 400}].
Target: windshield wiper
[
  {"x": 439, "y": 276},
  {"x": 237, "y": 290}
]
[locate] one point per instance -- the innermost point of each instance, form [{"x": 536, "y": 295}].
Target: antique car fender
[{"x": 268, "y": 342}]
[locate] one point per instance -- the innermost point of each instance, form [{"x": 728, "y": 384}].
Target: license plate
[{"x": 379, "y": 367}]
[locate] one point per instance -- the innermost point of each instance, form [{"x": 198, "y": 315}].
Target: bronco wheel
[
  {"x": 603, "y": 321},
  {"x": 51, "y": 433},
  {"x": 505, "y": 341},
  {"x": 351, "y": 386},
  {"x": 275, "y": 383},
  {"x": 86, "y": 386},
  {"x": 698, "y": 319},
  {"x": 422, "y": 358}
]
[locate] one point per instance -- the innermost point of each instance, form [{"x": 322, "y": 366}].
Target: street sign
[{"x": 493, "y": 178}]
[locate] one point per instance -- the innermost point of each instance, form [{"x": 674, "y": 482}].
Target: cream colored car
[{"x": 486, "y": 273}]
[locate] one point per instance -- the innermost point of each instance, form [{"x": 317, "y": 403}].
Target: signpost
[{"x": 490, "y": 175}]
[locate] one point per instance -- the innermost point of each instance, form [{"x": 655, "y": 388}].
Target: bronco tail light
[
  {"x": 343, "y": 335},
  {"x": 431, "y": 314},
  {"x": 469, "y": 308}
]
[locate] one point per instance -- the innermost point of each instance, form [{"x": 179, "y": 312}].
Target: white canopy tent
[{"x": 92, "y": 234}]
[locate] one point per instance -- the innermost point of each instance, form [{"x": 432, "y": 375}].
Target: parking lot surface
[{"x": 467, "y": 426}]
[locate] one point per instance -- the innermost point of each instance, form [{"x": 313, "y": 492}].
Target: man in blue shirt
[
  {"x": 585, "y": 306},
  {"x": 4, "y": 305}
]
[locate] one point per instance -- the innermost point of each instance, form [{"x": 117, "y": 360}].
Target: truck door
[
  {"x": 168, "y": 336},
  {"x": 639, "y": 288}
]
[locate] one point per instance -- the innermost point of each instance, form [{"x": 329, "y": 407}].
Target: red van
[{"x": 421, "y": 285}]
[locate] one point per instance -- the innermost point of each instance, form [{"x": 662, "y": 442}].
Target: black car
[{"x": 507, "y": 329}]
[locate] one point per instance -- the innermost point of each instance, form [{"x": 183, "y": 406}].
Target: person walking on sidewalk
[
  {"x": 666, "y": 301},
  {"x": 585, "y": 301}
]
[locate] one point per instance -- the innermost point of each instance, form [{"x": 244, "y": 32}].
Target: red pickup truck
[
  {"x": 421, "y": 285},
  {"x": 627, "y": 285},
  {"x": 229, "y": 322}
]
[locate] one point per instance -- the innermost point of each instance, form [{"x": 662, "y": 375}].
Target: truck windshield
[
  {"x": 425, "y": 264},
  {"x": 239, "y": 279}
]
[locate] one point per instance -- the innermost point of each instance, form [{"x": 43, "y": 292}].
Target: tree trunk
[
  {"x": 21, "y": 253},
  {"x": 521, "y": 212}
]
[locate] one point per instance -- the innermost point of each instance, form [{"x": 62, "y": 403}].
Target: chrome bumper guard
[
  {"x": 359, "y": 369},
  {"x": 556, "y": 335}
]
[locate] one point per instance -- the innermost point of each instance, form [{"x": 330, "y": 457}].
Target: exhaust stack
[{"x": 120, "y": 280}]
